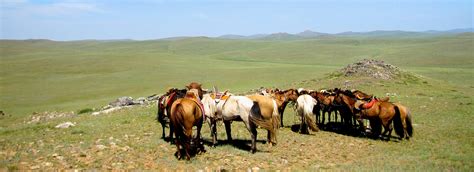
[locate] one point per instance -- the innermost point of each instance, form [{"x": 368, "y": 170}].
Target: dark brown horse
[
  {"x": 186, "y": 113},
  {"x": 325, "y": 105},
  {"x": 164, "y": 108},
  {"x": 345, "y": 101}
]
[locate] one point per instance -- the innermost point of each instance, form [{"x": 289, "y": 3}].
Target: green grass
[
  {"x": 66, "y": 76},
  {"x": 82, "y": 75}
]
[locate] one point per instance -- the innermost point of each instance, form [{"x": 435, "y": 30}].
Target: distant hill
[{"x": 308, "y": 34}]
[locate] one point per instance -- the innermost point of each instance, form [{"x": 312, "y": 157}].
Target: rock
[
  {"x": 122, "y": 101},
  {"x": 372, "y": 68},
  {"x": 106, "y": 111},
  {"x": 153, "y": 97},
  {"x": 65, "y": 125},
  {"x": 100, "y": 147},
  {"x": 45, "y": 116},
  {"x": 139, "y": 101}
]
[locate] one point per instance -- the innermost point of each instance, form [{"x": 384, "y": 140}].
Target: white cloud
[{"x": 23, "y": 7}]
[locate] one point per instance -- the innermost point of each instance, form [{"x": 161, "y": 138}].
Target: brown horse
[
  {"x": 164, "y": 108},
  {"x": 283, "y": 98},
  {"x": 384, "y": 113},
  {"x": 325, "y": 105},
  {"x": 186, "y": 113},
  {"x": 344, "y": 101},
  {"x": 165, "y": 102},
  {"x": 406, "y": 121}
]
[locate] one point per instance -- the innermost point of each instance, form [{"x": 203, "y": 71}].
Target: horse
[
  {"x": 383, "y": 113},
  {"x": 305, "y": 104},
  {"x": 344, "y": 101},
  {"x": 185, "y": 113},
  {"x": 283, "y": 98},
  {"x": 325, "y": 100},
  {"x": 209, "y": 102},
  {"x": 164, "y": 108},
  {"x": 242, "y": 108},
  {"x": 264, "y": 113},
  {"x": 165, "y": 102},
  {"x": 406, "y": 121}
]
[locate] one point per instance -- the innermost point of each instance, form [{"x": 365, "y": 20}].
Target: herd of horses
[{"x": 182, "y": 109}]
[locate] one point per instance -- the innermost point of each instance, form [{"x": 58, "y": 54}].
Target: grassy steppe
[
  {"x": 40, "y": 75},
  {"x": 46, "y": 76}
]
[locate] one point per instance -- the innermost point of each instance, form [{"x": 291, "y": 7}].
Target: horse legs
[
  {"x": 228, "y": 130},
  {"x": 178, "y": 144},
  {"x": 171, "y": 133},
  {"x": 213, "y": 132},
  {"x": 188, "y": 136},
  {"x": 253, "y": 132},
  {"x": 281, "y": 111},
  {"x": 198, "y": 137}
]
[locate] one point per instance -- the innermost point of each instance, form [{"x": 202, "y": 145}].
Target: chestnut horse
[
  {"x": 165, "y": 102},
  {"x": 406, "y": 121},
  {"x": 283, "y": 98},
  {"x": 384, "y": 113},
  {"x": 186, "y": 113}
]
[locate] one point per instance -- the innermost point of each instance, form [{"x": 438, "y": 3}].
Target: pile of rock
[
  {"x": 377, "y": 69},
  {"x": 45, "y": 116},
  {"x": 125, "y": 102}
]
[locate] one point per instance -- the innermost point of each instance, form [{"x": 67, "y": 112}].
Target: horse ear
[
  {"x": 200, "y": 85},
  {"x": 188, "y": 87}
]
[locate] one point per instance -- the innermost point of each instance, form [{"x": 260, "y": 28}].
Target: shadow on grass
[{"x": 237, "y": 143}]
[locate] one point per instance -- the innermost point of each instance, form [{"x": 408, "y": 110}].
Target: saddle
[
  {"x": 195, "y": 99},
  {"x": 369, "y": 104}
]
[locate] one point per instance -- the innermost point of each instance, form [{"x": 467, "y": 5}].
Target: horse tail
[
  {"x": 305, "y": 110},
  {"x": 178, "y": 116},
  {"x": 409, "y": 124},
  {"x": 397, "y": 121},
  {"x": 257, "y": 118},
  {"x": 308, "y": 113},
  {"x": 275, "y": 116}
]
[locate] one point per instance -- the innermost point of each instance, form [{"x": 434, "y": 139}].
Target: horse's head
[
  {"x": 197, "y": 86},
  {"x": 291, "y": 94},
  {"x": 361, "y": 95}
]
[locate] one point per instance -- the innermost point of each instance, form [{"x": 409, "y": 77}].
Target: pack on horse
[
  {"x": 304, "y": 108},
  {"x": 165, "y": 102},
  {"x": 252, "y": 113},
  {"x": 185, "y": 113},
  {"x": 383, "y": 113}
]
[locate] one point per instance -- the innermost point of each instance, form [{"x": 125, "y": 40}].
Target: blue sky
[{"x": 151, "y": 19}]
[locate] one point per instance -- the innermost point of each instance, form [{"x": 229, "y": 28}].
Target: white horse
[
  {"x": 210, "y": 110},
  {"x": 242, "y": 108},
  {"x": 304, "y": 108}
]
